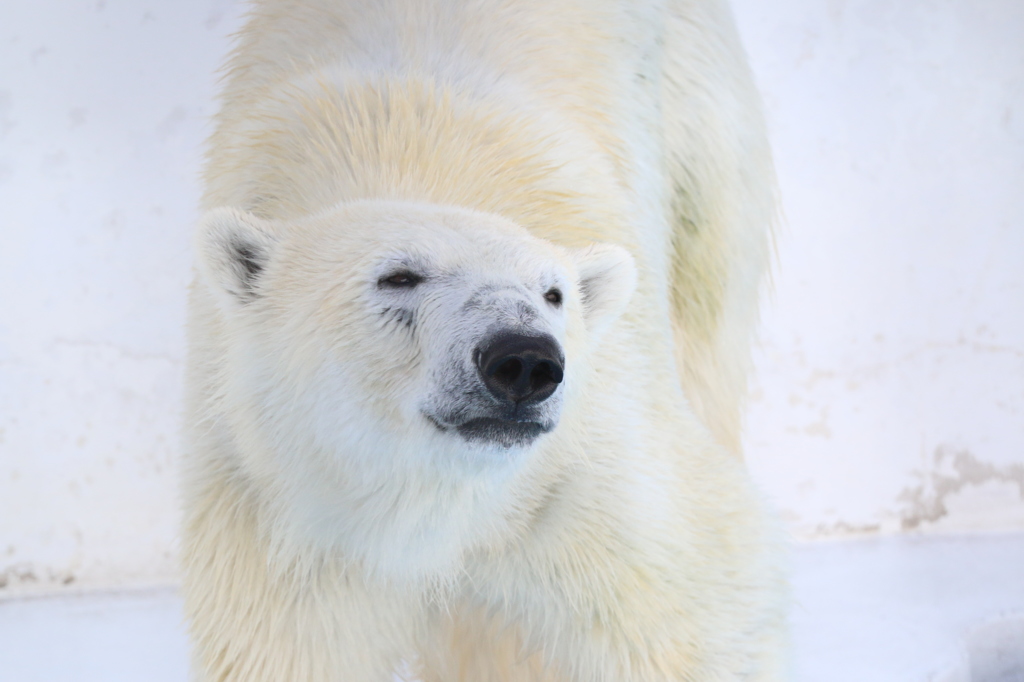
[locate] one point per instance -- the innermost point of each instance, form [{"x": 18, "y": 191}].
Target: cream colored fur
[{"x": 332, "y": 534}]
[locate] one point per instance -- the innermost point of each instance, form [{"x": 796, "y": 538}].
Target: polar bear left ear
[
  {"x": 233, "y": 248},
  {"x": 607, "y": 281}
]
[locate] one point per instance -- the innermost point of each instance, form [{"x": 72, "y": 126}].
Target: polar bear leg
[{"x": 256, "y": 619}]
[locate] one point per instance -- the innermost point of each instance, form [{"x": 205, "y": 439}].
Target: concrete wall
[
  {"x": 890, "y": 387},
  {"x": 103, "y": 108},
  {"x": 889, "y": 395}
]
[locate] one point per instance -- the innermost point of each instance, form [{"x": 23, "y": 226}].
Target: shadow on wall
[{"x": 992, "y": 653}]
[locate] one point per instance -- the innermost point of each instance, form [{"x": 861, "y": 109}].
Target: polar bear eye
[
  {"x": 554, "y": 297},
  {"x": 403, "y": 279}
]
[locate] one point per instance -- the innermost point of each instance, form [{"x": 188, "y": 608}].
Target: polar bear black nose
[{"x": 520, "y": 368}]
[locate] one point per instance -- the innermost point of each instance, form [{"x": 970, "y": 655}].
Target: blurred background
[{"x": 886, "y": 418}]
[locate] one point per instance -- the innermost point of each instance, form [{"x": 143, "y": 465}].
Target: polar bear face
[
  {"x": 383, "y": 342},
  {"x": 442, "y": 317}
]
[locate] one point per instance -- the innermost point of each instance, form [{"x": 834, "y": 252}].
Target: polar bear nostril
[
  {"x": 508, "y": 370},
  {"x": 544, "y": 379},
  {"x": 521, "y": 369},
  {"x": 544, "y": 373}
]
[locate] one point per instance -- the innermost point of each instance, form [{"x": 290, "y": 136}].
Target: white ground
[{"x": 877, "y": 610}]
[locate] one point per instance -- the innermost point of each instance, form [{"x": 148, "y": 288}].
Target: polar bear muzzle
[
  {"x": 520, "y": 369},
  {"x": 519, "y": 372},
  {"x": 509, "y": 396}
]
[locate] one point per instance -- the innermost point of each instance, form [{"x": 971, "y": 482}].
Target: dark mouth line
[
  {"x": 499, "y": 421},
  {"x": 502, "y": 431}
]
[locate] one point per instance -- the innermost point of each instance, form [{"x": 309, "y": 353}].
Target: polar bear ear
[
  {"x": 233, "y": 248},
  {"x": 607, "y": 281}
]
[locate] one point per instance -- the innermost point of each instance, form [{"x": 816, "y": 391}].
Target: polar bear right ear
[
  {"x": 607, "y": 281},
  {"x": 233, "y": 248}
]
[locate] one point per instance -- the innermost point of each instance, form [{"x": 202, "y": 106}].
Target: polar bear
[{"x": 467, "y": 348}]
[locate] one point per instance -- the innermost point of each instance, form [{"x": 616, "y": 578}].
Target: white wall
[
  {"x": 103, "y": 106},
  {"x": 890, "y": 385}
]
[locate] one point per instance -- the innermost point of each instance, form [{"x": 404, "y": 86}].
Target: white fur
[{"x": 341, "y": 516}]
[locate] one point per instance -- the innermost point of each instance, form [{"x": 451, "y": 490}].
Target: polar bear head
[{"x": 382, "y": 342}]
